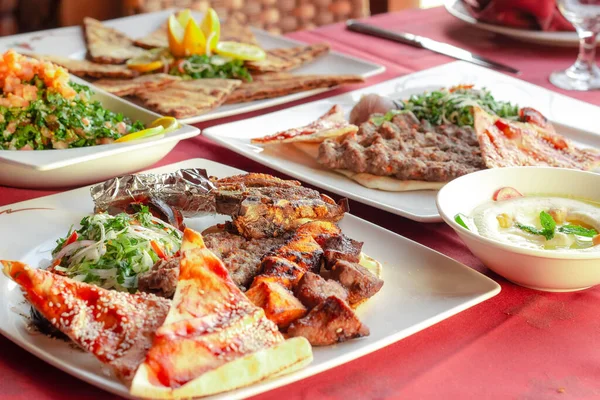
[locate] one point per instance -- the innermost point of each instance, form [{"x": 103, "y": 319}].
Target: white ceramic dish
[
  {"x": 422, "y": 287},
  {"x": 69, "y": 42},
  {"x": 575, "y": 119},
  {"x": 563, "y": 39},
  {"x": 75, "y": 167},
  {"x": 537, "y": 269}
]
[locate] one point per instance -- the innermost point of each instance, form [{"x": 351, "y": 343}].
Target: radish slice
[{"x": 506, "y": 193}]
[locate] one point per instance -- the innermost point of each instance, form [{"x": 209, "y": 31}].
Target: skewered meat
[
  {"x": 330, "y": 322},
  {"x": 312, "y": 289},
  {"x": 279, "y": 304},
  {"x": 359, "y": 281},
  {"x": 339, "y": 247}
]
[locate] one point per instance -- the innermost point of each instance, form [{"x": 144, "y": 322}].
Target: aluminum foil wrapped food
[{"x": 187, "y": 191}]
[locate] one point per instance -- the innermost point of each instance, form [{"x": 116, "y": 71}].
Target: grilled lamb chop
[
  {"x": 312, "y": 289},
  {"x": 330, "y": 322},
  {"x": 339, "y": 247},
  {"x": 359, "y": 281}
]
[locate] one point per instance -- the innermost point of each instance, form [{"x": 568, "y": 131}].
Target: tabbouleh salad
[{"x": 40, "y": 109}]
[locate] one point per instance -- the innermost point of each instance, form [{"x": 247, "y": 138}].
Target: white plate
[
  {"x": 564, "y": 39},
  {"x": 422, "y": 287},
  {"x": 75, "y": 167},
  {"x": 572, "y": 118},
  {"x": 69, "y": 42}
]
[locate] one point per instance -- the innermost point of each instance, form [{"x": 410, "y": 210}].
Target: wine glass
[{"x": 584, "y": 74}]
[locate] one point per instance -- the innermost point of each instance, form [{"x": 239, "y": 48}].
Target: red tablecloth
[{"x": 522, "y": 344}]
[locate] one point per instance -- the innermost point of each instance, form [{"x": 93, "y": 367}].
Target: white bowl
[
  {"x": 537, "y": 269},
  {"x": 43, "y": 169}
]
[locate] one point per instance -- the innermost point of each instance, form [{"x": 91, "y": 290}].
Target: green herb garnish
[
  {"x": 548, "y": 226},
  {"x": 577, "y": 230},
  {"x": 203, "y": 66},
  {"x": 460, "y": 219},
  {"x": 388, "y": 116}
]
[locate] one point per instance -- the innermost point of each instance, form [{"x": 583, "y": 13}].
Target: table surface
[{"x": 521, "y": 344}]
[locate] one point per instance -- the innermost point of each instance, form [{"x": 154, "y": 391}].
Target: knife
[{"x": 429, "y": 44}]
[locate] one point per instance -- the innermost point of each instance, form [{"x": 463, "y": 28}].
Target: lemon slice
[
  {"x": 143, "y": 134},
  {"x": 211, "y": 27},
  {"x": 168, "y": 123},
  {"x": 241, "y": 51},
  {"x": 150, "y": 60},
  {"x": 185, "y": 36},
  {"x": 175, "y": 35},
  {"x": 194, "y": 41}
]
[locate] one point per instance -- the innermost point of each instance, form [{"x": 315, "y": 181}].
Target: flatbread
[
  {"x": 285, "y": 59},
  {"x": 329, "y": 125},
  {"x": 188, "y": 98},
  {"x": 250, "y": 91},
  {"x": 126, "y": 87},
  {"x": 107, "y": 45},
  {"x": 371, "y": 181},
  {"x": 155, "y": 39},
  {"x": 213, "y": 339},
  {"x": 85, "y": 68},
  {"x": 509, "y": 144},
  {"x": 233, "y": 30}
]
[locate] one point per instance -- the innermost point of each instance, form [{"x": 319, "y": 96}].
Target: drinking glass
[{"x": 584, "y": 74}]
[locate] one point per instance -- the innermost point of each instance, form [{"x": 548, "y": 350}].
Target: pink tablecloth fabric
[{"x": 521, "y": 344}]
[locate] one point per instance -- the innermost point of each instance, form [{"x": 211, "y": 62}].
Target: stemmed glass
[{"x": 584, "y": 74}]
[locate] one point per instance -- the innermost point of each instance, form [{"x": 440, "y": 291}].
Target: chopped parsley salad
[
  {"x": 111, "y": 251},
  {"x": 40, "y": 109}
]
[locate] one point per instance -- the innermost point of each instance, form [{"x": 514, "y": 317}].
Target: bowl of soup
[{"x": 538, "y": 227}]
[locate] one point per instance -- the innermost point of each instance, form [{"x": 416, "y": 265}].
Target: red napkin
[{"x": 525, "y": 14}]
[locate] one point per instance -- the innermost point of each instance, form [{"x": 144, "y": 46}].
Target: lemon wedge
[
  {"x": 143, "y": 134},
  {"x": 185, "y": 36},
  {"x": 150, "y": 60},
  {"x": 168, "y": 123},
  {"x": 211, "y": 27},
  {"x": 241, "y": 51}
]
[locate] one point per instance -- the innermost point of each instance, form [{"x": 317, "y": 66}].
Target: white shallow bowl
[
  {"x": 537, "y": 269},
  {"x": 45, "y": 169}
]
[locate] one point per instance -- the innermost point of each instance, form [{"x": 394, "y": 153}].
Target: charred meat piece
[
  {"x": 302, "y": 250},
  {"x": 312, "y": 289},
  {"x": 279, "y": 304},
  {"x": 359, "y": 281},
  {"x": 281, "y": 270},
  {"x": 339, "y": 247},
  {"x": 330, "y": 322},
  {"x": 162, "y": 279}
]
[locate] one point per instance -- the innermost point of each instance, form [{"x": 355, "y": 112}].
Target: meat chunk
[
  {"x": 312, "y": 289},
  {"x": 340, "y": 247},
  {"x": 330, "y": 322},
  {"x": 279, "y": 304},
  {"x": 304, "y": 251},
  {"x": 359, "y": 281},
  {"x": 162, "y": 279},
  {"x": 284, "y": 271}
]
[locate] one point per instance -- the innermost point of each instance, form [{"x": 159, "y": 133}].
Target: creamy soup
[{"x": 538, "y": 222}]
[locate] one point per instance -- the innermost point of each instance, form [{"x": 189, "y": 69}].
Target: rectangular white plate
[
  {"x": 69, "y": 42},
  {"x": 573, "y": 118},
  {"x": 422, "y": 287}
]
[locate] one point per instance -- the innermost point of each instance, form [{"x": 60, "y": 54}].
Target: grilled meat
[
  {"x": 312, "y": 289},
  {"x": 359, "y": 281},
  {"x": 339, "y": 247},
  {"x": 161, "y": 280},
  {"x": 279, "y": 303},
  {"x": 330, "y": 322}
]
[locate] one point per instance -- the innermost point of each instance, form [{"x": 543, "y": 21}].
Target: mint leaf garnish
[{"x": 577, "y": 230}]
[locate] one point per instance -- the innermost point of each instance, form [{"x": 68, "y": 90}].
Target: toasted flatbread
[
  {"x": 285, "y": 59},
  {"x": 233, "y": 30},
  {"x": 329, "y": 125},
  {"x": 509, "y": 144},
  {"x": 116, "y": 327},
  {"x": 85, "y": 68},
  {"x": 213, "y": 339},
  {"x": 107, "y": 45},
  {"x": 371, "y": 181},
  {"x": 271, "y": 76},
  {"x": 155, "y": 39},
  {"x": 187, "y": 98},
  {"x": 126, "y": 87},
  {"x": 250, "y": 91}
]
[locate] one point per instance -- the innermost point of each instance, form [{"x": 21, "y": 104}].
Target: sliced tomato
[
  {"x": 158, "y": 250},
  {"x": 509, "y": 131},
  {"x": 72, "y": 239}
]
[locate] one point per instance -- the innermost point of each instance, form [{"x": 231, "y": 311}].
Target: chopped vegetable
[
  {"x": 203, "y": 66},
  {"x": 504, "y": 220},
  {"x": 453, "y": 106},
  {"x": 460, "y": 219},
  {"x": 506, "y": 193}
]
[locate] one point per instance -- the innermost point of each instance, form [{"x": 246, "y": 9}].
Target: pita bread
[
  {"x": 85, "y": 68},
  {"x": 271, "y": 76},
  {"x": 508, "y": 144},
  {"x": 233, "y": 30},
  {"x": 187, "y": 98},
  {"x": 250, "y": 91},
  {"x": 371, "y": 181},
  {"x": 126, "y": 87},
  {"x": 213, "y": 339},
  {"x": 107, "y": 45},
  {"x": 285, "y": 59},
  {"x": 331, "y": 124},
  {"x": 156, "y": 39}
]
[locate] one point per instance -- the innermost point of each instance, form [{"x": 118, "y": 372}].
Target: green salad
[
  {"x": 203, "y": 66},
  {"x": 111, "y": 251},
  {"x": 453, "y": 106},
  {"x": 51, "y": 121}
]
